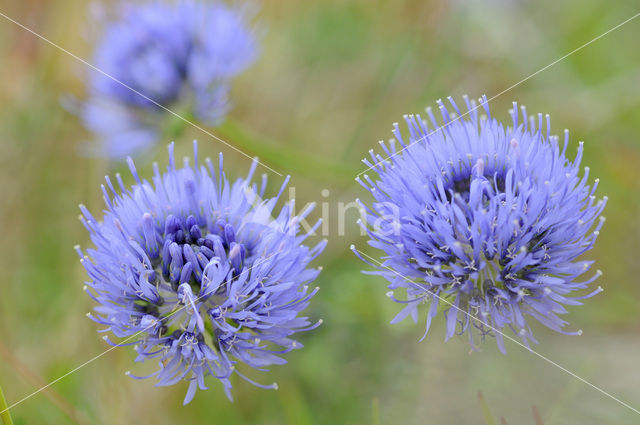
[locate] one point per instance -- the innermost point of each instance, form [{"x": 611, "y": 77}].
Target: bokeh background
[{"x": 333, "y": 77}]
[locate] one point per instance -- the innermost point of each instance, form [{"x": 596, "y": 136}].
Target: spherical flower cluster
[
  {"x": 483, "y": 221},
  {"x": 196, "y": 273},
  {"x": 155, "y": 55}
]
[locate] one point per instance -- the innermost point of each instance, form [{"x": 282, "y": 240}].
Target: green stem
[{"x": 5, "y": 415}]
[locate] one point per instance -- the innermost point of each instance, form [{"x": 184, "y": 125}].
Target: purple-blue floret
[
  {"x": 483, "y": 222},
  {"x": 195, "y": 272}
]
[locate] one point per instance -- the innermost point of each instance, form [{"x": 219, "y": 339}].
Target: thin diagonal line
[
  {"x": 577, "y": 49},
  {"x": 120, "y": 344},
  {"x": 55, "y": 397},
  {"x": 548, "y": 360},
  {"x": 41, "y": 37}
]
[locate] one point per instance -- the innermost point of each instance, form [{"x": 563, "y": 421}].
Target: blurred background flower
[
  {"x": 482, "y": 221},
  {"x": 161, "y": 54}
]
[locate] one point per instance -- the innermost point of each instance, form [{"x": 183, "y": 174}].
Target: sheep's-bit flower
[
  {"x": 179, "y": 55},
  {"x": 482, "y": 220},
  {"x": 195, "y": 272}
]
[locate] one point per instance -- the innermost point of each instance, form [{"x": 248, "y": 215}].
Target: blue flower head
[
  {"x": 482, "y": 221},
  {"x": 179, "y": 55},
  {"x": 195, "y": 272}
]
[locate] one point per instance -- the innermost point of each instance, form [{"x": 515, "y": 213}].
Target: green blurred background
[{"x": 334, "y": 75}]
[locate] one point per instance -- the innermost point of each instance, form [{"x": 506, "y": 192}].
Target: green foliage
[
  {"x": 5, "y": 413},
  {"x": 333, "y": 77}
]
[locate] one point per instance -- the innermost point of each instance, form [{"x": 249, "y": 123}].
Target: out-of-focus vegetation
[{"x": 333, "y": 77}]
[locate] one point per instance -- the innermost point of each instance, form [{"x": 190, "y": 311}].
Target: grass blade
[
  {"x": 488, "y": 417},
  {"x": 5, "y": 415}
]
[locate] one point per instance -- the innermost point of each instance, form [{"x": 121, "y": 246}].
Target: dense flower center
[
  {"x": 459, "y": 181},
  {"x": 484, "y": 271},
  {"x": 188, "y": 248},
  {"x": 462, "y": 186}
]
